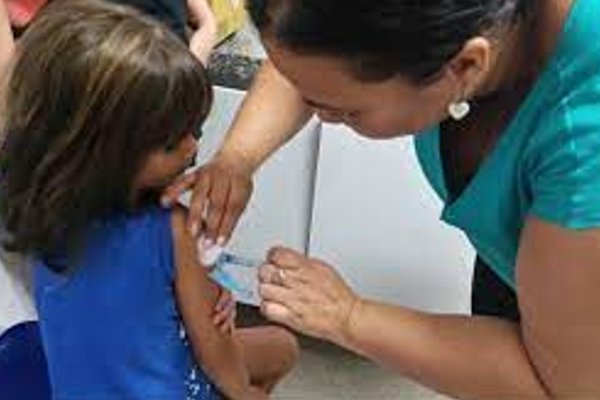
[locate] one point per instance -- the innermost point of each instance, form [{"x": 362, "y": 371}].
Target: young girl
[{"x": 100, "y": 113}]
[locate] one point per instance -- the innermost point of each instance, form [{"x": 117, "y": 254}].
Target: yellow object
[{"x": 230, "y": 15}]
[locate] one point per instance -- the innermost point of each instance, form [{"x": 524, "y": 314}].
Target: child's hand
[{"x": 225, "y": 312}]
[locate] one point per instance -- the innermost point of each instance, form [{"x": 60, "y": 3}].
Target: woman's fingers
[
  {"x": 217, "y": 205},
  {"x": 293, "y": 298},
  {"x": 199, "y": 201},
  {"x": 221, "y": 193},
  {"x": 269, "y": 273},
  {"x": 305, "y": 294},
  {"x": 279, "y": 313},
  {"x": 239, "y": 195},
  {"x": 181, "y": 185},
  {"x": 286, "y": 258},
  {"x": 221, "y": 190}
]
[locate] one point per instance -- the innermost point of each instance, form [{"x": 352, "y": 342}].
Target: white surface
[
  {"x": 16, "y": 303},
  {"x": 377, "y": 220},
  {"x": 280, "y": 208}
]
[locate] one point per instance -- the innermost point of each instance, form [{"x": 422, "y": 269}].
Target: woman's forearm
[
  {"x": 465, "y": 357},
  {"x": 272, "y": 112}
]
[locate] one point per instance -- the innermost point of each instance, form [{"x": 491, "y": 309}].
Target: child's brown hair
[{"x": 95, "y": 87}]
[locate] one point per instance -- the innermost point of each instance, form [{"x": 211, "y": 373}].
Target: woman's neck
[{"x": 524, "y": 50}]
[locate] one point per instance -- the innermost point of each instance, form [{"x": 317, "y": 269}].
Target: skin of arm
[
  {"x": 271, "y": 114},
  {"x": 220, "y": 354},
  {"x": 7, "y": 42},
  {"x": 554, "y": 353}
]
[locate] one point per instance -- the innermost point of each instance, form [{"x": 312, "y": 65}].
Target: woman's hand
[
  {"x": 307, "y": 295},
  {"x": 222, "y": 189},
  {"x": 225, "y": 312}
]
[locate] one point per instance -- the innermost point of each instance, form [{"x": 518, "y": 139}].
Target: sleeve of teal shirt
[{"x": 565, "y": 176}]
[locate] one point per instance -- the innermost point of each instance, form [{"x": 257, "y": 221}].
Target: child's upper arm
[
  {"x": 196, "y": 293},
  {"x": 219, "y": 354}
]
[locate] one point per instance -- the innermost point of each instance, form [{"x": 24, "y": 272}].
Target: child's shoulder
[
  {"x": 179, "y": 225},
  {"x": 179, "y": 214},
  {"x": 140, "y": 228},
  {"x": 142, "y": 217}
]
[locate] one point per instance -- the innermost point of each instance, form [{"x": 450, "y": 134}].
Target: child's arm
[
  {"x": 7, "y": 42},
  {"x": 203, "y": 40},
  {"x": 219, "y": 354}
]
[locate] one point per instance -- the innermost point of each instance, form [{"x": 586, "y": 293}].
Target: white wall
[
  {"x": 16, "y": 303},
  {"x": 377, "y": 219}
]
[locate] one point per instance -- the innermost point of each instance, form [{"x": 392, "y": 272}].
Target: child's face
[{"x": 162, "y": 166}]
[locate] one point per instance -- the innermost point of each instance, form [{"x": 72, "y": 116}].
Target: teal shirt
[{"x": 546, "y": 163}]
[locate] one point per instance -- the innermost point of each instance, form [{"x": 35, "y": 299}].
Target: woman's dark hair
[
  {"x": 384, "y": 38},
  {"x": 94, "y": 89}
]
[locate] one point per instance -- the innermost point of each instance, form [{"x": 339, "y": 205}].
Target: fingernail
[
  {"x": 208, "y": 243},
  {"x": 211, "y": 254},
  {"x": 221, "y": 241}
]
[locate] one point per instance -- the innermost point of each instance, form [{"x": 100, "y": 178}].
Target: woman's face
[{"x": 379, "y": 110}]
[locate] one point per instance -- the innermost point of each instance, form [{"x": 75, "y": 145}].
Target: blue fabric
[
  {"x": 109, "y": 323},
  {"x": 547, "y": 161},
  {"x": 23, "y": 372}
]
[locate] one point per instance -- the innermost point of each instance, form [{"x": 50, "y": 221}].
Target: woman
[{"x": 504, "y": 99}]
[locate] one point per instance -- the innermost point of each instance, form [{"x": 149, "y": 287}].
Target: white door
[{"x": 377, "y": 220}]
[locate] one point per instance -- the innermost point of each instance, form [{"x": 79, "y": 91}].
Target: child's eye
[{"x": 170, "y": 148}]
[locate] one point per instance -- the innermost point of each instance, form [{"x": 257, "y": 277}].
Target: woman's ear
[{"x": 470, "y": 66}]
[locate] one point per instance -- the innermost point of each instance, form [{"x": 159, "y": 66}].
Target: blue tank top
[{"x": 110, "y": 325}]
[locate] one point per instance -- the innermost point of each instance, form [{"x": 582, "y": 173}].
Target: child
[{"x": 101, "y": 108}]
